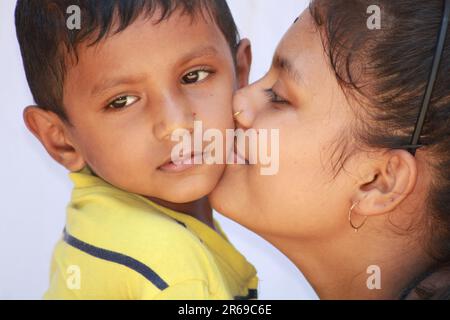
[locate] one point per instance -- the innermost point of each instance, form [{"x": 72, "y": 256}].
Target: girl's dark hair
[
  {"x": 45, "y": 40},
  {"x": 386, "y": 72}
]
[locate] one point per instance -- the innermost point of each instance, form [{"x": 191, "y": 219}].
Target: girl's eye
[
  {"x": 195, "y": 76},
  {"x": 123, "y": 102},
  {"x": 274, "y": 97}
]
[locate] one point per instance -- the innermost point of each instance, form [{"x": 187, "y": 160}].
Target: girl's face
[{"x": 301, "y": 97}]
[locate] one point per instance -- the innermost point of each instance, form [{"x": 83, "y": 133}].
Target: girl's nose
[{"x": 245, "y": 107}]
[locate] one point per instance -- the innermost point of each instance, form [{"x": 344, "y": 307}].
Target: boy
[{"x": 109, "y": 94}]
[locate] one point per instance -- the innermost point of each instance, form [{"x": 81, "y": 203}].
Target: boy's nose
[{"x": 173, "y": 115}]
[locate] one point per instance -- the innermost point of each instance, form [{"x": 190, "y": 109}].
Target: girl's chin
[{"x": 228, "y": 190}]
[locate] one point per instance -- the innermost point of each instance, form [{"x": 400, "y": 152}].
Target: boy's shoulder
[
  {"x": 107, "y": 223},
  {"x": 131, "y": 247},
  {"x": 103, "y": 212},
  {"x": 120, "y": 213}
]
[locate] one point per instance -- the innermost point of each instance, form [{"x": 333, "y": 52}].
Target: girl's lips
[
  {"x": 239, "y": 157},
  {"x": 183, "y": 165}
]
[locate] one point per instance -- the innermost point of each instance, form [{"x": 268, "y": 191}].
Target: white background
[{"x": 34, "y": 190}]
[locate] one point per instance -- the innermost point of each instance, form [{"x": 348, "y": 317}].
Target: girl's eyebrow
[{"x": 285, "y": 65}]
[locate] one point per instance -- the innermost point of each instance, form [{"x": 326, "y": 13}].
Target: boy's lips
[{"x": 182, "y": 165}]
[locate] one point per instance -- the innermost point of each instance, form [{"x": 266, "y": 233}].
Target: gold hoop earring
[
  {"x": 350, "y": 212},
  {"x": 237, "y": 114}
]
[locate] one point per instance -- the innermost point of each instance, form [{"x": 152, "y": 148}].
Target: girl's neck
[{"x": 356, "y": 266}]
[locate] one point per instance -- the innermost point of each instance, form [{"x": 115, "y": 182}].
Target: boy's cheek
[{"x": 219, "y": 114}]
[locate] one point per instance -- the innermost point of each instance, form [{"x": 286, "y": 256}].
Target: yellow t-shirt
[{"x": 119, "y": 245}]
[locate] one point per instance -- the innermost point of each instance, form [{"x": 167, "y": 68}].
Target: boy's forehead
[
  {"x": 155, "y": 18},
  {"x": 146, "y": 45},
  {"x": 179, "y": 30}
]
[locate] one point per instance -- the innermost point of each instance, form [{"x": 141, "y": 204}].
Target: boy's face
[{"x": 128, "y": 94}]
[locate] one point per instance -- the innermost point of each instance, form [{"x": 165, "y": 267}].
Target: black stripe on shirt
[
  {"x": 252, "y": 295},
  {"x": 118, "y": 258}
]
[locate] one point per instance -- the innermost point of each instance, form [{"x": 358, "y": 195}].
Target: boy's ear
[
  {"x": 392, "y": 178},
  {"x": 50, "y": 130},
  {"x": 243, "y": 62}
]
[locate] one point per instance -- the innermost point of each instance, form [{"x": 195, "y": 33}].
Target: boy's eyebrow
[
  {"x": 284, "y": 64},
  {"x": 114, "y": 82},
  {"x": 199, "y": 53}
]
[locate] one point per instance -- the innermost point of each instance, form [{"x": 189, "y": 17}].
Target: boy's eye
[
  {"x": 123, "y": 102},
  {"x": 195, "y": 76}
]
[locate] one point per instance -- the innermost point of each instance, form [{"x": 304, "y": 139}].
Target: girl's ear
[
  {"x": 243, "y": 62},
  {"x": 49, "y": 129},
  {"x": 392, "y": 179}
]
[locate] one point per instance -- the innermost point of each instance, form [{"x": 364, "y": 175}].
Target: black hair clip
[{"x": 412, "y": 148}]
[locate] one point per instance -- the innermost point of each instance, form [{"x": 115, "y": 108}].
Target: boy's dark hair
[{"x": 46, "y": 41}]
